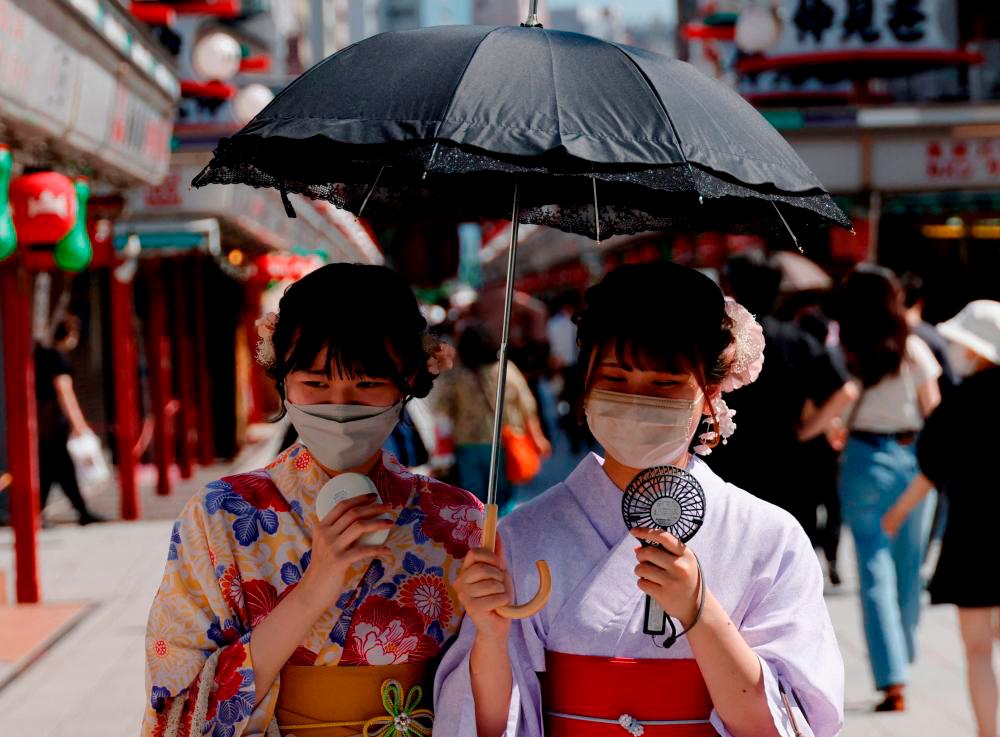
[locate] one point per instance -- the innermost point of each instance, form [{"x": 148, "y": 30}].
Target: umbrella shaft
[{"x": 491, "y": 494}]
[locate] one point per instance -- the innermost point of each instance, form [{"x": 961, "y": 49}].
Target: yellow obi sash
[{"x": 343, "y": 701}]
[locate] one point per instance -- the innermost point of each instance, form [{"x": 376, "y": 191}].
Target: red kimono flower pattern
[
  {"x": 258, "y": 489},
  {"x": 261, "y": 597},
  {"x": 384, "y": 632},
  {"x": 428, "y": 594},
  {"x": 453, "y": 518}
]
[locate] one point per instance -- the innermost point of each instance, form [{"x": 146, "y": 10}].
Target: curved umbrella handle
[{"x": 541, "y": 598}]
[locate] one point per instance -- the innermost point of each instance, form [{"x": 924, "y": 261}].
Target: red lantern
[{"x": 44, "y": 206}]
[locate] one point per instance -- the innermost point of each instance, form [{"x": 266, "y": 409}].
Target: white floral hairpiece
[
  {"x": 748, "y": 348},
  {"x": 265, "y": 345},
  {"x": 747, "y": 362},
  {"x": 440, "y": 355}
]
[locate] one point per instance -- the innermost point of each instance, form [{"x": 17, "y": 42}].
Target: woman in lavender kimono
[{"x": 757, "y": 653}]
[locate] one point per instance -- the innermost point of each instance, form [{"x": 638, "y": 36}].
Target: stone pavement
[{"x": 90, "y": 683}]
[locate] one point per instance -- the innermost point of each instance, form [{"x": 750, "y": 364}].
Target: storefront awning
[
  {"x": 249, "y": 218},
  {"x": 80, "y": 78}
]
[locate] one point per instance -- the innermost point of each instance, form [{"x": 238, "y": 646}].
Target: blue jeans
[
  {"x": 472, "y": 472},
  {"x": 873, "y": 476}
]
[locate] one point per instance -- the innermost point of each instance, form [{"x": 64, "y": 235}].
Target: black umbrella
[
  {"x": 439, "y": 119},
  {"x": 540, "y": 126}
]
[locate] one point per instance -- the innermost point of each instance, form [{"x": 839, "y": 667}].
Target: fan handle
[{"x": 541, "y": 597}]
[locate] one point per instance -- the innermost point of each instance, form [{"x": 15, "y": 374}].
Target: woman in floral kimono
[
  {"x": 752, "y": 653},
  {"x": 263, "y": 604}
]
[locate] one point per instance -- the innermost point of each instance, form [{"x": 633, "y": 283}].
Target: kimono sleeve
[
  {"x": 787, "y": 625},
  {"x": 454, "y": 706},
  {"x": 199, "y": 661}
]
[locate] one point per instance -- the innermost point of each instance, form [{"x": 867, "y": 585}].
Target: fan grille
[{"x": 665, "y": 498}]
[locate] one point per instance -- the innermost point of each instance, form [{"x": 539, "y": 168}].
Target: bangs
[
  {"x": 350, "y": 351},
  {"x": 646, "y": 353}
]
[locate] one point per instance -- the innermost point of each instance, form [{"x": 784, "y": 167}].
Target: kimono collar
[
  {"x": 299, "y": 478},
  {"x": 601, "y": 500}
]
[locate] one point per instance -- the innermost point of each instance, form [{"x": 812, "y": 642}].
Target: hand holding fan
[{"x": 670, "y": 499}]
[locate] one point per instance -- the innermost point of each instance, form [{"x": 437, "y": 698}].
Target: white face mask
[
  {"x": 342, "y": 436},
  {"x": 963, "y": 362},
  {"x": 641, "y": 431}
]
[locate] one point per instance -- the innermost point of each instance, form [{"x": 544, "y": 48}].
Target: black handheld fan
[{"x": 664, "y": 498}]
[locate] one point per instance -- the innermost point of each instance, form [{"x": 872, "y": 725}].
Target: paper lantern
[
  {"x": 757, "y": 30},
  {"x": 249, "y": 101},
  {"x": 74, "y": 252},
  {"x": 44, "y": 206},
  {"x": 8, "y": 236},
  {"x": 217, "y": 55}
]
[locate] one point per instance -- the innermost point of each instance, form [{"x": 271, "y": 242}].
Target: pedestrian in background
[
  {"x": 963, "y": 423},
  {"x": 796, "y": 369},
  {"x": 529, "y": 342},
  {"x": 913, "y": 300},
  {"x": 897, "y": 375},
  {"x": 819, "y": 458},
  {"x": 468, "y": 400},
  {"x": 59, "y": 417},
  {"x": 564, "y": 356}
]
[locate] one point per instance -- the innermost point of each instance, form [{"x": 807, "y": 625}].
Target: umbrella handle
[{"x": 541, "y": 597}]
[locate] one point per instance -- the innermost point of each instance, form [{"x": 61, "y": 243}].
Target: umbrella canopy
[
  {"x": 436, "y": 121},
  {"x": 799, "y": 274}
]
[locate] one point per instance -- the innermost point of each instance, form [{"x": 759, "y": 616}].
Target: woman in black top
[
  {"x": 957, "y": 451},
  {"x": 59, "y": 417}
]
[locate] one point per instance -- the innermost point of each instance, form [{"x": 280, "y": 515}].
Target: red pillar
[
  {"x": 187, "y": 422},
  {"x": 160, "y": 383},
  {"x": 22, "y": 425},
  {"x": 126, "y": 392},
  {"x": 206, "y": 429}
]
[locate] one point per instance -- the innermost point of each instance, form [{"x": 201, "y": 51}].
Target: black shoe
[
  {"x": 894, "y": 701},
  {"x": 90, "y": 518},
  {"x": 834, "y": 575}
]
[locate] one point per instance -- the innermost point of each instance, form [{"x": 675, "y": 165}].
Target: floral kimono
[{"x": 243, "y": 543}]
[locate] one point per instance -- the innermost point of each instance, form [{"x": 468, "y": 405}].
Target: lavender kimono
[{"x": 756, "y": 559}]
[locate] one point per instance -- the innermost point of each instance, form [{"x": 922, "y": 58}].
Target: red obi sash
[{"x": 585, "y": 696}]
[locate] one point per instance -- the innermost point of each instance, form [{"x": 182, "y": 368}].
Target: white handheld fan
[{"x": 670, "y": 499}]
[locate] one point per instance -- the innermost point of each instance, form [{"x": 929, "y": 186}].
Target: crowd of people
[
  {"x": 863, "y": 415},
  {"x": 878, "y": 419},
  {"x": 845, "y": 399},
  {"x": 859, "y": 397}
]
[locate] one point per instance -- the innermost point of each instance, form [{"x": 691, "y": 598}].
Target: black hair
[
  {"x": 477, "y": 346},
  {"x": 65, "y": 327},
  {"x": 659, "y": 317},
  {"x": 913, "y": 289},
  {"x": 754, "y": 282},
  {"x": 873, "y": 327},
  {"x": 366, "y": 320}
]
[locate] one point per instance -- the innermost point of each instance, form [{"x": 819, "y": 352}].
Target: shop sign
[
  {"x": 48, "y": 86},
  {"x": 922, "y": 163},
  {"x": 816, "y": 26}
]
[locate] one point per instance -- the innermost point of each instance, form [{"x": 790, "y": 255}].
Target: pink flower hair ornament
[
  {"x": 747, "y": 361},
  {"x": 747, "y": 348},
  {"x": 265, "y": 344}
]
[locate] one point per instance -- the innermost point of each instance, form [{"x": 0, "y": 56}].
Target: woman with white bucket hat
[{"x": 956, "y": 452}]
